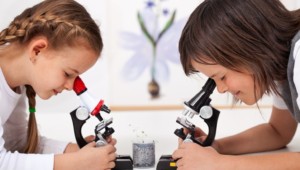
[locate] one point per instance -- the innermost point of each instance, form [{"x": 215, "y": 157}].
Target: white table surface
[{"x": 157, "y": 125}]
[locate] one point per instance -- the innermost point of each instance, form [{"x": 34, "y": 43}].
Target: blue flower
[{"x": 150, "y": 4}]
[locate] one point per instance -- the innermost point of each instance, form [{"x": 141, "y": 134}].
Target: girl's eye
[
  {"x": 67, "y": 74},
  {"x": 222, "y": 78}
]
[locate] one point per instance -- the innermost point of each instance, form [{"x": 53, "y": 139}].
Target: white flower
[{"x": 152, "y": 52}]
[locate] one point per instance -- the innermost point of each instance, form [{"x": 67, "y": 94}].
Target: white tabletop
[{"x": 157, "y": 125}]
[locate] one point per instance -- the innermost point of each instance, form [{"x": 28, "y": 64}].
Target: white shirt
[
  {"x": 278, "y": 101},
  {"x": 297, "y": 70},
  {"x": 13, "y": 134}
]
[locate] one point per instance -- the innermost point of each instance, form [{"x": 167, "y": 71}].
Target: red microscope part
[
  {"x": 91, "y": 106},
  {"x": 80, "y": 89}
]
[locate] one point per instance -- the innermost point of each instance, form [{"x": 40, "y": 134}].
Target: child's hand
[
  {"x": 73, "y": 147},
  {"x": 89, "y": 157},
  {"x": 111, "y": 140},
  {"x": 92, "y": 157},
  {"x": 201, "y": 136},
  {"x": 90, "y": 138},
  {"x": 193, "y": 156}
]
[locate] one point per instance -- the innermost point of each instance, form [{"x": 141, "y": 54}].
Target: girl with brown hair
[{"x": 249, "y": 48}]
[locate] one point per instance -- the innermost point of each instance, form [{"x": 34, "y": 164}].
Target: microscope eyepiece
[{"x": 202, "y": 98}]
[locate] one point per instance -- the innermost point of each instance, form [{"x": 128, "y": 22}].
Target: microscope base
[
  {"x": 123, "y": 162},
  {"x": 166, "y": 162}
]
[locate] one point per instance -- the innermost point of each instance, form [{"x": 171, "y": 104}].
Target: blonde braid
[
  {"x": 63, "y": 23},
  {"x": 32, "y": 131},
  {"x": 10, "y": 34},
  {"x": 18, "y": 29}
]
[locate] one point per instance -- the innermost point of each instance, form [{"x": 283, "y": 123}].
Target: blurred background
[{"x": 129, "y": 64}]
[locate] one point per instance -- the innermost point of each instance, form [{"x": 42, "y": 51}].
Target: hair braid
[
  {"x": 32, "y": 131},
  {"x": 18, "y": 29},
  {"x": 10, "y": 34},
  {"x": 63, "y": 23}
]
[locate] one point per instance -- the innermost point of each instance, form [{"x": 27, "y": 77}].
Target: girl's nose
[
  {"x": 69, "y": 84},
  {"x": 222, "y": 88}
]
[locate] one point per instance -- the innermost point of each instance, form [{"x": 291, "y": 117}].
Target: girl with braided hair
[
  {"x": 249, "y": 48},
  {"x": 42, "y": 51}
]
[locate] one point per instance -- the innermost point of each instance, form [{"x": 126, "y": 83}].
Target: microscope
[
  {"x": 90, "y": 106},
  {"x": 198, "y": 105}
]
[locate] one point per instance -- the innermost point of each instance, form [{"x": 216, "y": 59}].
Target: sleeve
[
  {"x": 9, "y": 160},
  {"x": 17, "y": 134},
  {"x": 279, "y": 103},
  {"x": 15, "y": 160},
  {"x": 47, "y": 146},
  {"x": 13, "y": 136},
  {"x": 296, "y": 53}
]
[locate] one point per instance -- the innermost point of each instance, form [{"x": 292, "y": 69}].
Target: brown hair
[
  {"x": 62, "y": 22},
  {"x": 251, "y": 34}
]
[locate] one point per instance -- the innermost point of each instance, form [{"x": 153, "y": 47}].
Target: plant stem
[{"x": 153, "y": 63}]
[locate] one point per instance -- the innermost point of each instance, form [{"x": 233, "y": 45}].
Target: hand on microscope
[
  {"x": 199, "y": 135},
  {"x": 97, "y": 157},
  {"x": 190, "y": 156},
  {"x": 92, "y": 156},
  {"x": 109, "y": 139},
  {"x": 73, "y": 147}
]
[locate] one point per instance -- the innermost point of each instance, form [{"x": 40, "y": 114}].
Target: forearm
[
  {"x": 275, "y": 161},
  {"x": 257, "y": 139},
  {"x": 275, "y": 134},
  {"x": 71, "y": 147},
  {"x": 65, "y": 162}
]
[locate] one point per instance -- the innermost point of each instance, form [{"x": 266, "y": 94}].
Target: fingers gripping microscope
[
  {"x": 90, "y": 106},
  {"x": 198, "y": 105}
]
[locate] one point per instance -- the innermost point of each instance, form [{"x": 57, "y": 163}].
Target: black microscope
[
  {"x": 198, "y": 105},
  {"x": 90, "y": 106}
]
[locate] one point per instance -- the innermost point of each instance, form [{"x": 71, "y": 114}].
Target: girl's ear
[{"x": 36, "y": 46}]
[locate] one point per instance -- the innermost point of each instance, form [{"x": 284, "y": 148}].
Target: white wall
[
  {"x": 99, "y": 79},
  {"x": 95, "y": 78}
]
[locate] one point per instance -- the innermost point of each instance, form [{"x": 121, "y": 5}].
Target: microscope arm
[
  {"x": 200, "y": 105},
  {"x": 212, "y": 128},
  {"x": 77, "y": 125}
]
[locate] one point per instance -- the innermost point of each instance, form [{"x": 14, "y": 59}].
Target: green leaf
[
  {"x": 167, "y": 26},
  {"x": 145, "y": 31}
]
